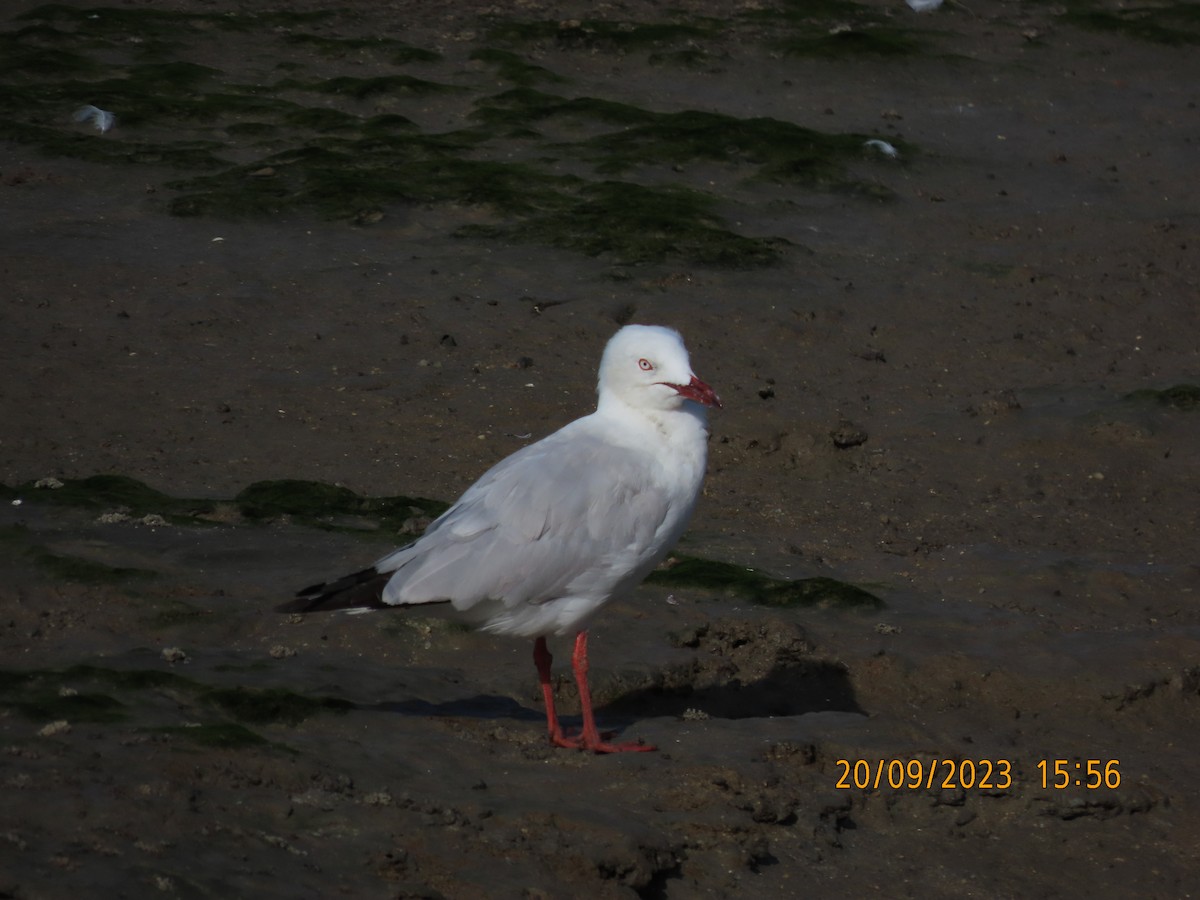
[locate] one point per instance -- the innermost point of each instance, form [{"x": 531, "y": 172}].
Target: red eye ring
[{"x": 645, "y": 365}]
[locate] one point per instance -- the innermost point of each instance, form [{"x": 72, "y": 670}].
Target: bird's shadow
[{"x": 792, "y": 690}]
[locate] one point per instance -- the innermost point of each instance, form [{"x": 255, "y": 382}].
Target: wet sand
[{"x": 933, "y": 397}]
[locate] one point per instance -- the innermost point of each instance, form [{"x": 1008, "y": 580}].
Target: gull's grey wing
[{"x": 569, "y": 516}]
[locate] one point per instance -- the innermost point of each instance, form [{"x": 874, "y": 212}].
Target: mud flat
[{"x": 934, "y": 631}]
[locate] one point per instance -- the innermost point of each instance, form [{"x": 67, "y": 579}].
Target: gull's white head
[{"x": 647, "y": 367}]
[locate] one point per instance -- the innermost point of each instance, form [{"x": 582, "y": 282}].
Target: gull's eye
[{"x": 645, "y": 365}]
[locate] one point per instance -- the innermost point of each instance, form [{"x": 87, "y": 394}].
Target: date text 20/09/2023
[{"x": 974, "y": 774}]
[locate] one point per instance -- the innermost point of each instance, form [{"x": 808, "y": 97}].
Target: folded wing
[{"x": 571, "y": 516}]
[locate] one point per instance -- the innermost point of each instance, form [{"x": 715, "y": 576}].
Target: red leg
[
  {"x": 590, "y": 738},
  {"x": 542, "y": 659}
]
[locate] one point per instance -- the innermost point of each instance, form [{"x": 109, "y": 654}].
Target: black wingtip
[{"x": 359, "y": 590}]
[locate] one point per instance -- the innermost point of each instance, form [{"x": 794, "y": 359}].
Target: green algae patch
[
  {"x": 189, "y": 154},
  {"x": 83, "y": 693},
  {"x": 396, "y": 52},
  {"x": 517, "y": 110},
  {"x": 272, "y": 705},
  {"x": 317, "y": 503},
  {"x": 102, "y": 492},
  {"x": 253, "y": 667},
  {"x": 1172, "y": 24},
  {"x": 317, "y": 133},
  {"x": 310, "y": 502},
  {"x": 824, "y": 593},
  {"x": 218, "y": 736},
  {"x": 836, "y": 29},
  {"x": 1180, "y": 396},
  {"x": 741, "y": 581},
  {"x": 769, "y": 149},
  {"x": 73, "y": 707},
  {"x": 125, "y": 679},
  {"x": 29, "y": 53},
  {"x": 67, "y": 680},
  {"x": 362, "y": 88},
  {"x": 306, "y": 499},
  {"x": 47, "y": 695},
  {"x": 512, "y": 67},
  {"x": 118, "y": 24},
  {"x": 319, "y": 119},
  {"x": 636, "y": 224},
  {"x": 603, "y": 35},
  {"x": 340, "y": 177},
  {"x": 778, "y": 150},
  {"x": 114, "y": 492}
]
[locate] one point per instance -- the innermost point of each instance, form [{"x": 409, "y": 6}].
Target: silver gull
[{"x": 555, "y": 531}]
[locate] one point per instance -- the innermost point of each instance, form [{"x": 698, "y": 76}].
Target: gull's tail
[{"x": 360, "y": 591}]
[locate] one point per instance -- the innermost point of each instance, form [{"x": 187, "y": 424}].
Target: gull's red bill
[{"x": 699, "y": 391}]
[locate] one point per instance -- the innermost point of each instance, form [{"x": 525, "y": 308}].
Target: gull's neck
[{"x": 684, "y": 424}]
